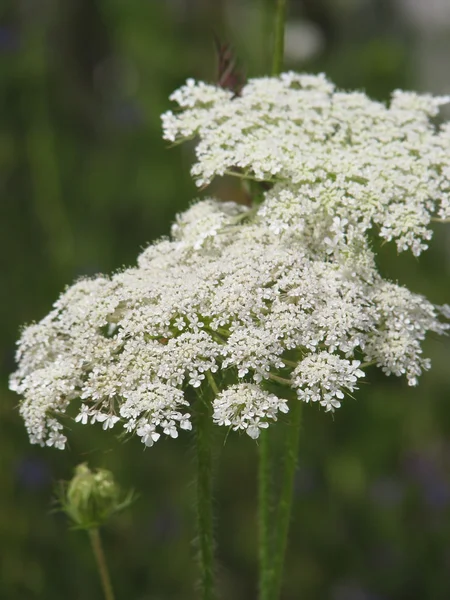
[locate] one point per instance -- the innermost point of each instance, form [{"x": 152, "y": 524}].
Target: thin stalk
[
  {"x": 204, "y": 498},
  {"x": 247, "y": 176},
  {"x": 212, "y": 382},
  {"x": 278, "y": 45},
  {"x": 96, "y": 543},
  {"x": 370, "y": 363},
  {"x": 264, "y": 516},
  {"x": 437, "y": 220},
  {"x": 283, "y": 513},
  {"x": 279, "y": 379},
  {"x": 290, "y": 363},
  {"x": 269, "y": 557}
]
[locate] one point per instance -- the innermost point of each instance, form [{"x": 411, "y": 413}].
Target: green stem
[
  {"x": 437, "y": 220},
  {"x": 283, "y": 513},
  {"x": 370, "y": 363},
  {"x": 204, "y": 497},
  {"x": 268, "y": 560},
  {"x": 279, "y": 379},
  {"x": 212, "y": 382},
  {"x": 290, "y": 363},
  {"x": 278, "y": 47},
  {"x": 248, "y": 176},
  {"x": 96, "y": 543},
  {"x": 264, "y": 516}
]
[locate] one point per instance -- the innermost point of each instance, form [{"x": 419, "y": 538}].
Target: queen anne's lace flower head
[
  {"x": 338, "y": 159},
  {"x": 262, "y": 306}
]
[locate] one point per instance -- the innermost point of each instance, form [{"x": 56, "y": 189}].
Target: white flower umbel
[
  {"x": 227, "y": 299},
  {"x": 340, "y": 162},
  {"x": 324, "y": 377},
  {"x": 246, "y": 406}
]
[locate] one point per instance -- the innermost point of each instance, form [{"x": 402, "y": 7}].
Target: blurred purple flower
[
  {"x": 128, "y": 115},
  {"x": 436, "y": 494},
  {"x": 387, "y": 491},
  {"x": 420, "y": 466},
  {"x": 166, "y": 525},
  {"x": 33, "y": 473},
  {"x": 385, "y": 557},
  {"x": 9, "y": 39},
  {"x": 429, "y": 473},
  {"x": 353, "y": 591},
  {"x": 305, "y": 481}
]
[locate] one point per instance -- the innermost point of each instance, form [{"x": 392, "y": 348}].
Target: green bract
[{"x": 90, "y": 498}]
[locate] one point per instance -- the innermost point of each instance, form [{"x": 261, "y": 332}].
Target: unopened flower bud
[{"x": 91, "y": 497}]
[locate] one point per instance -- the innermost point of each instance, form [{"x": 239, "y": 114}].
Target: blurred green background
[{"x": 85, "y": 183}]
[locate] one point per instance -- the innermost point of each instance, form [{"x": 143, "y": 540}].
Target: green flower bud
[{"x": 91, "y": 497}]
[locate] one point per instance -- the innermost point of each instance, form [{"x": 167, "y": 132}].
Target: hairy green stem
[
  {"x": 269, "y": 556},
  {"x": 264, "y": 516},
  {"x": 278, "y": 44},
  {"x": 97, "y": 548},
  {"x": 204, "y": 497},
  {"x": 283, "y": 512}
]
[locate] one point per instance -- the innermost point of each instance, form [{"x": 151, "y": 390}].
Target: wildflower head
[{"x": 283, "y": 294}]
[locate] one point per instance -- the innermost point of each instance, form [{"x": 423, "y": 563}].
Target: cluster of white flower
[
  {"x": 246, "y": 300},
  {"x": 321, "y": 378},
  {"x": 335, "y": 157},
  {"x": 246, "y": 406}
]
